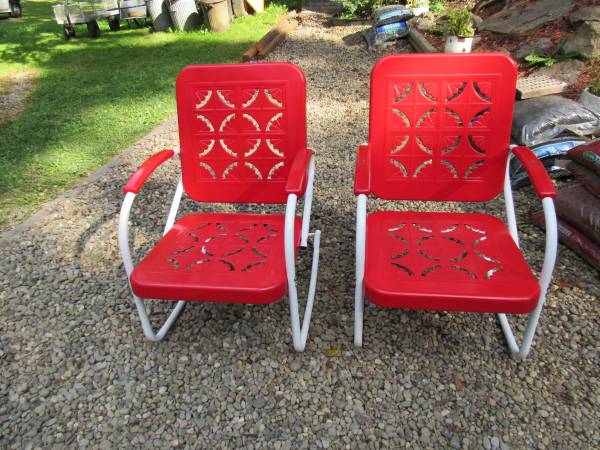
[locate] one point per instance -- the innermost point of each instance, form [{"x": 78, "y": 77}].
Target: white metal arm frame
[
  {"x": 299, "y": 334},
  {"x": 544, "y": 277}
]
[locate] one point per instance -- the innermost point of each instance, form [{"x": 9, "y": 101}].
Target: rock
[
  {"x": 589, "y": 13},
  {"x": 259, "y": 402},
  {"x": 586, "y": 40},
  {"x": 425, "y": 21},
  {"x": 524, "y": 17},
  {"x": 542, "y": 46},
  {"x": 476, "y": 21},
  {"x": 568, "y": 70}
]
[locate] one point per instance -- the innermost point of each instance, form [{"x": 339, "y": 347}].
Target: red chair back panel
[
  {"x": 240, "y": 126},
  {"x": 439, "y": 126}
]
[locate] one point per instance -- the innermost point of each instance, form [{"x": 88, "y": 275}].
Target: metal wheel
[
  {"x": 114, "y": 24},
  {"x": 68, "y": 32},
  {"x": 15, "y": 9},
  {"x": 93, "y": 28}
]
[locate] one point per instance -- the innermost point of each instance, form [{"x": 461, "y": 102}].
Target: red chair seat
[
  {"x": 446, "y": 261},
  {"x": 237, "y": 258}
]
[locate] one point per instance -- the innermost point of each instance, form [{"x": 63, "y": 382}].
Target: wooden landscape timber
[{"x": 273, "y": 38}]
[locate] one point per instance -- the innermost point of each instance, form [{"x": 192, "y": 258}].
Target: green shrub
[
  {"x": 459, "y": 23},
  {"x": 437, "y": 7},
  {"x": 595, "y": 86},
  {"x": 356, "y": 8}
]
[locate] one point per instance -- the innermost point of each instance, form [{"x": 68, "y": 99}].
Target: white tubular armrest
[
  {"x": 308, "y": 195},
  {"x": 299, "y": 333},
  {"x": 545, "y": 276},
  {"x": 359, "y": 292}
]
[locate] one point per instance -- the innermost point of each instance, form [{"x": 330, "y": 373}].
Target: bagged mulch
[
  {"x": 400, "y": 14},
  {"x": 581, "y": 208},
  {"x": 537, "y": 120},
  {"x": 588, "y": 178},
  {"x": 574, "y": 239},
  {"x": 587, "y": 155}
]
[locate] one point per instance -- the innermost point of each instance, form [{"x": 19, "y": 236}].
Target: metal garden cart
[
  {"x": 69, "y": 14},
  {"x": 12, "y": 7},
  {"x": 135, "y": 11}
]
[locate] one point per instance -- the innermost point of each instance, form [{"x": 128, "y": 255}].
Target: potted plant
[
  {"x": 418, "y": 7},
  {"x": 590, "y": 97},
  {"x": 459, "y": 31}
]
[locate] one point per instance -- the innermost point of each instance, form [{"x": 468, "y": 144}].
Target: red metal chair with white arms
[
  {"x": 242, "y": 131},
  {"x": 439, "y": 130}
]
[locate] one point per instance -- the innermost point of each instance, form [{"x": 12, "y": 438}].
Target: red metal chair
[
  {"x": 439, "y": 131},
  {"x": 242, "y": 131}
]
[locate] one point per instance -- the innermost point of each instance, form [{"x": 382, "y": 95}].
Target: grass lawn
[{"x": 93, "y": 97}]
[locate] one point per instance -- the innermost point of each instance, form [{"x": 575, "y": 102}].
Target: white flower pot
[
  {"x": 455, "y": 44},
  {"x": 420, "y": 10}
]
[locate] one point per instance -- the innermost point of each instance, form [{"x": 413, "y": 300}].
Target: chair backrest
[
  {"x": 439, "y": 126},
  {"x": 240, "y": 126}
]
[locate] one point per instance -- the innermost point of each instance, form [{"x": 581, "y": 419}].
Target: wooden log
[
  {"x": 280, "y": 37},
  {"x": 249, "y": 54},
  {"x": 277, "y": 29},
  {"x": 420, "y": 42}
]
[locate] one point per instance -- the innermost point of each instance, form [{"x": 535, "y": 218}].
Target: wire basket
[{"x": 133, "y": 9}]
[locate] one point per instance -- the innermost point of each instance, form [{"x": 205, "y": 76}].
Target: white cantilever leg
[
  {"x": 299, "y": 334},
  {"x": 128, "y": 263},
  {"x": 359, "y": 293},
  {"x": 545, "y": 275}
]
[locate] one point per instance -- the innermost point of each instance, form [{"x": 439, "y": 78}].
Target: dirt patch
[{"x": 15, "y": 88}]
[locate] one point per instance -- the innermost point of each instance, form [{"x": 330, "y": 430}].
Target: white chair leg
[
  {"x": 147, "y": 327},
  {"x": 359, "y": 292},
  {"x": 300, "y": 334}
]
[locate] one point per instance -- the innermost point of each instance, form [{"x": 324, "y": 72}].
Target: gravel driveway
[{"x": 76, "y": 371}]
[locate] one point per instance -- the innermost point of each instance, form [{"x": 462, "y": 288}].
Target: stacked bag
[
  {"x": 578, "y": 206},
  {"x": 389, "y": 25}
]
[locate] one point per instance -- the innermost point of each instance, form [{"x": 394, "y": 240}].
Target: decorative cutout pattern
[
  {"x": 427, "y": 250},
  {"x": 223, "y": 248},
  {"x": 445, "y": 131},
  {"x": 241, "y": 133}
]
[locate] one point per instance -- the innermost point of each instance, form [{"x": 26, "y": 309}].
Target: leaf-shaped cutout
[
  {"x": 229, "y": 264},
  {"x": 453, "y": 118},
  {"x": 225, "y": 122},
  {"x": 273, "y": 148},
  {"x": 454, "y": 89},
  {"x": 254, "y": 169},
  {"x": 428, "y": 118},
  {"x": 252, "y": 265},
  {"x": 450, "y": 229},
  {"x": 197, "y": 263},
  {"x": 174, "y": 262},
  {"x": 429, "y": 269},
  {"x": 401, "y": 255},
  {"x": 480, "y": 88},
  {"x": 490, "y": 273},
  {"x": 273, "y": 123},
  {"x": 400, "y": 144},
  {"x": 465, "y": 270},
  {"x": 274, "y": 169},
  {"x": 421, "y": 167},
  {"x": 450, "y": 167},
  {"x": 463, "y": 255},
  {"x": 422, "y": 228},
  {"x": 234, "y": 252},
  {"x": 424, "y": 239},
  {"x": 400, "y": 166},
  {"x": 397, "y": 227},
  {"x": 257, "y": 252},
  {"x": 487, "y": 258},
  {"x": 475, "y": 145},
  {"x": 453, "y": 239},
  {"x": 422, "y": 145},
  {"x": 272, "y": 95},
  {"x": 480, "y": 119},
  {"x": 401, "y": 90},
  {"x": 451, "y": 143},
  {"x": 228, "y": 169},
  {"x": 227, "y": 148},
  {"x": 404, "y": 268},
  {"x": 402, "y": 116},
  {"x": 426, "y": 88},
  {"x": 206, "y": 122},
  {"x": 400, "y": 238},
  {"x": 223, "y": 97},
  {"x": 473, "y": 167},
  {"x": 252, "y": 120},
  {"x": 203, "y": 98},
  {"x": 253, "y": 148},
  {"x": 427, "y": 256},
  {"x": 208, "y": 147},
  {"x": 250, "y": 95},
  {"x": 474, "y": 230},
  {"x": 209, "y": 169}
]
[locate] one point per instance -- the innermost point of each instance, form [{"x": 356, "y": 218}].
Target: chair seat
[
  {"x": 446, "y": 261},
  {"x": 234, "y": 258}
]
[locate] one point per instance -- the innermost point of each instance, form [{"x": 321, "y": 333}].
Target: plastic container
[
  {"x": 184, "y": 14},
  {"x": 217, "y": 12},
  {"x": 159, "y": 12},
  {"x": 455, "y": 44}
]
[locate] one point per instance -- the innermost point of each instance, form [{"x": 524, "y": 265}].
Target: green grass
[{"x": 94, "y": 96}]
